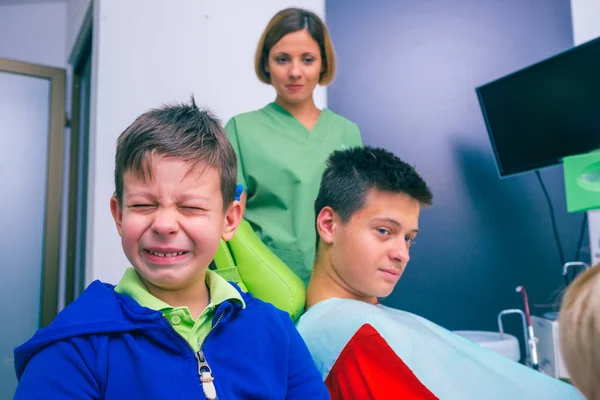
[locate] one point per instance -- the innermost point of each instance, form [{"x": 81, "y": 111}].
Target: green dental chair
[{"x": 248, "y": 262}]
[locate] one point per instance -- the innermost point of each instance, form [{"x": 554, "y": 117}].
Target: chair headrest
[{"x": 249, "y": 263}]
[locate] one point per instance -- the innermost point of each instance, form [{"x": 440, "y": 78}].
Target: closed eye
[
  {"x": 192, "y": 209},
  {"x": 141, "y": 206}
]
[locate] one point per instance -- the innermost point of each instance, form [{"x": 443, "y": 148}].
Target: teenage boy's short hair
[
  {"x": 352, "y": 173},
  {"x": 182, "y": 131}
]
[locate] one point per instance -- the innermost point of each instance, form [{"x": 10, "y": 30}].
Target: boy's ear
[
  {"x": 233, "y": 216},
  {"x": 326, "y": 224},
  {"x": 117, "y": 212}
]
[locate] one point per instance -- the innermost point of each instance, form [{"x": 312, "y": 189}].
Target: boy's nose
[
  {"x": 165, "y": 222},
  {"x": 400, "y": 252}
]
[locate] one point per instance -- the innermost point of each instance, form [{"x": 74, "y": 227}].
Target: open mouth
[{"x": 165, "y": 254}]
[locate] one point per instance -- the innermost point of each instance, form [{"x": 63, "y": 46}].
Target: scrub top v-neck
[{"x": 280, "y": 163}]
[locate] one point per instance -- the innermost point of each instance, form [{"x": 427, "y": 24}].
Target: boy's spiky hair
[
  {"x": 177, "y": 130},
  {"x": 351, "y": 173}
]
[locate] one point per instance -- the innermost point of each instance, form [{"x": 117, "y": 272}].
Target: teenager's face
[{"x": 369, "y": 253}]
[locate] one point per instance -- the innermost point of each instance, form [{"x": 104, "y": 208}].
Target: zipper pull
[{"x": 205, "y": 373}]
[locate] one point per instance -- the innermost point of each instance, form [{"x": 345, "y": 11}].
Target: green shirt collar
[{"x": 219, "y": 289}]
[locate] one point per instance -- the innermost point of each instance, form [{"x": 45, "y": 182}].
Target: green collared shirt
[{"x": 179, "y": 317}]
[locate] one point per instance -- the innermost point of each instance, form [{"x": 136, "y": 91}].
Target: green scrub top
[{"x": 280, "y": 163}]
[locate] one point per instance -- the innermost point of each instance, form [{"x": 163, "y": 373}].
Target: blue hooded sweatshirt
[{"x": 106, "y": 346}]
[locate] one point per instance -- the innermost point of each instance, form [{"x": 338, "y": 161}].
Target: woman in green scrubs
[{"x": 282, "y": 147}]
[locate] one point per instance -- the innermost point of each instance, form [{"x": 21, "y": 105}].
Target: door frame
[
  {"x": 54, "y": 181},
  {"x": 81, "y": 54}
]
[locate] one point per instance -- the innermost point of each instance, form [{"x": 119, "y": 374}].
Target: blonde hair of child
[{"x": 579, "y": 324}]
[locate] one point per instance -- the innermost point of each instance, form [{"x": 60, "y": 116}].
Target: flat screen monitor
[{"x": 542, "y": 113}]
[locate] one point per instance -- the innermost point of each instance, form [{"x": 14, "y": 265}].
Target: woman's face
[{"x": 295, "y": 66}]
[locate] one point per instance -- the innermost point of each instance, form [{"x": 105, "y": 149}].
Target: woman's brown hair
[{"x": 293, "y": 20}]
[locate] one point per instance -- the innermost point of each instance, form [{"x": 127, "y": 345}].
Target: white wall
[
  {"x": 586, "y": 26},
  {"x": 34, "y": 33},
  {"x": 149, "y": 52},
  {"x": 586, "y": 20}
]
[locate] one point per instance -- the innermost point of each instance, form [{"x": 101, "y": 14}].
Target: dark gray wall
[{"x": 407, "y": 74}]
